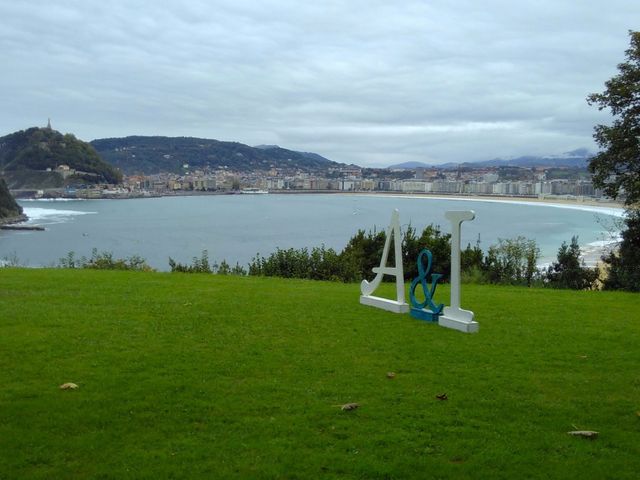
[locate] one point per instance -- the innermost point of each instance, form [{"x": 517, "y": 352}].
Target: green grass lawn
[{"x": 204, "y": 376}]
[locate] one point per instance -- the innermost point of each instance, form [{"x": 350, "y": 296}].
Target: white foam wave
[
  {"x": 604, "y": 243},
  {"x": 613, "y": 211},
  {"x": 592, "y": 252},
  {"x": 43, "y": 214}
]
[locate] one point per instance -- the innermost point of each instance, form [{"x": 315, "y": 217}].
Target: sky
[{"x": 371, "y": 82}]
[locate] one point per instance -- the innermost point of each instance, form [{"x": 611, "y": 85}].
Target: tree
[
  {"x": 472, "y": 257},
  {"x": 624, "y": 265},
  {"x": 472, "y": 263},
  {"x": 569, "y": 270},
  {"x": 437, "y": 242},
  {"x": 363, "y": 253},
  {"x": 513, "y": 261},
  {"x": 616, "y": 169}
]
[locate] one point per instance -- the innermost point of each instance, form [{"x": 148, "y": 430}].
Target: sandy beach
[{"x": 615, "y": 208}]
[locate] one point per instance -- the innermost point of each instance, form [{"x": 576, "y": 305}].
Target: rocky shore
[
  {"x": 22, "y": 227},
  {"x": 13, "y": 220}
]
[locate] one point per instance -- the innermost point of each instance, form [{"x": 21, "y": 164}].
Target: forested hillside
[
  {"x": 39, "y": 149},
  {"x": 149, "y": 155}
]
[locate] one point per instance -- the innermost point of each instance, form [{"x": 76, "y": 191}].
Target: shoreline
[
  {"x": 13, "y": 220},
  {"x": 547, "y": 200}
]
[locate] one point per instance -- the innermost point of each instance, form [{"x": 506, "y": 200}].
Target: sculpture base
[
  {"x": 465, "y": 326},
  {"x": 384, "y": 303},
  {"x": 426, "y": 315},
  {"x": 458, "y": 319}
]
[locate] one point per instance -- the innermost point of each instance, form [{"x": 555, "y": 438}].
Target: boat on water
[{"x": 254, "y": 191}]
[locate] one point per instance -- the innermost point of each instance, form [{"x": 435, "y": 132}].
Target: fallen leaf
[
  {"x": 349, "y": 406},
  {"x": 391, "y": 375},
  {"x": 442, "y": 396},
  {"x": 591, "y": 435},
  {"x": 68, "y": 386}
]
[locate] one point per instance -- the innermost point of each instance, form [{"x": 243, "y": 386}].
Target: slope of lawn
[{"x": 205, "y": 376}]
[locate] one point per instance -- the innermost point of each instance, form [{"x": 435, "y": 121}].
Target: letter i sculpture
[{"x": 453, "y": 316}]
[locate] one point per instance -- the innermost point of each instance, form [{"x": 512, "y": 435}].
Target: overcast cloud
[{"x": 370, "y": 82}]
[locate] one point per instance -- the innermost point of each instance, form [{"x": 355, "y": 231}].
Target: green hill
[
  {"x": 150, "y": 155},
  {"x": 26, "y": 155},
  {"x": 9, "y": 208},
  {"x": 207, "y": 376}
]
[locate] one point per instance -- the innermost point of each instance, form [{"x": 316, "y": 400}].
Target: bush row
[{"x": 510, "y": 261}]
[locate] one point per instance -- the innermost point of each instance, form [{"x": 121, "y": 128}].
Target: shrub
[
  {"x": 104, "y": 261},
  {"x": 569, "y": 270},
  {"x": 513, "y": 261},
  {"x": 290, "y": 263},
  {"x": 362, "y": 253},
  {"x": 437, "y": 242},
  {"x": 357, "y": 260},
  {"x": 202, "y": 265},
  {"x": 198, "y": 265}
]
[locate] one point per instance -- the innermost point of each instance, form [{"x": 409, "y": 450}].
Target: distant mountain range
[
  {"x": 576, "y": 158},
  {"x": 149, "y": 155},
  {"x": 26, "y": 154}
]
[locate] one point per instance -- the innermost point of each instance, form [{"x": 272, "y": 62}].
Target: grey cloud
[{"x": 369, "y": 82}]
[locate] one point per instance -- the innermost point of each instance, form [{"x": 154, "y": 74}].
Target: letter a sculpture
[{"x": 366, "y": 288}]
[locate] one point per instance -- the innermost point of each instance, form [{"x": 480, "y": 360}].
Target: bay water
[{"x": 237, "y": 227}]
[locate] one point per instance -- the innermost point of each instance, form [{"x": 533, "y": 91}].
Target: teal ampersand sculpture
[{"x": 418, "y": 309}]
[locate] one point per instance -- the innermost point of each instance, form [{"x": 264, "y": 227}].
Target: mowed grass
[{"x": 204, "y": 376}]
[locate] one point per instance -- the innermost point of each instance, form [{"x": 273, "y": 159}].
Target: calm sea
[{"x": 236, "y": 227}]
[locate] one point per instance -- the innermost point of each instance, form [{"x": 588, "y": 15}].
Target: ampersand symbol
[{"x": 422, "y": 280}]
